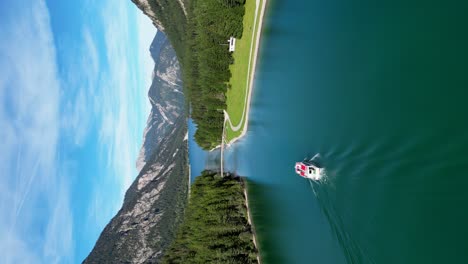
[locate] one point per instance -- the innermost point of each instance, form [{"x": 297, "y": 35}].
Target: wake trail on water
[{"x": 351, "y": 249}]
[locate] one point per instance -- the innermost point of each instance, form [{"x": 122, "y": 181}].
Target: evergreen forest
[
  {"x": 215, "y": 228},
  {"x": 206, "y": 62}
]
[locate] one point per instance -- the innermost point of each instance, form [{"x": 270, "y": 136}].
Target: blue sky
[{"x": 74, "y": 77}]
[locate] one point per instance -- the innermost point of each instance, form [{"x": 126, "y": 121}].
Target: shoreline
[
  {"x": 245, "y": 127},
  {"x": 252, "y": 77},
  {"x": 249, "y": 218},
  {"x": 188, "y": 162},
  {"x": 246, "y": 124}
]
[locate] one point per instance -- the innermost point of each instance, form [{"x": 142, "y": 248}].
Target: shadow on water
[
  {"x": 353, "y": 252},
  {"x": 212, "y": 160},
  {"x": 265, "y": 220}
]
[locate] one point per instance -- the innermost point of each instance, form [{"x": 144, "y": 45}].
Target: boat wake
[
  {"x": 316, "y": 156},
  {"x": 351, "y": 249}
]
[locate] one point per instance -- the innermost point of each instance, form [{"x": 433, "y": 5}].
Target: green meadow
[{"x": 240, "y": 79}]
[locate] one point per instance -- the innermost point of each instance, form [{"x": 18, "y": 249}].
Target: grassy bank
[
  {"x": 216, "y": 227},
  {"x": 240, "y": 70},
  {"x": 206, "y": 66},
  {"x": 214, "y": 79}
]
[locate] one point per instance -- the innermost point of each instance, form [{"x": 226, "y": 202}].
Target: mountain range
[{"x": 154, "y": 204}]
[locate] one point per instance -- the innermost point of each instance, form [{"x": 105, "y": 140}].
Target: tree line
[
  {"x": 200, "y": 42},
  {"x": 205, "y": 68},
  {"x": 215, "y": 228}
]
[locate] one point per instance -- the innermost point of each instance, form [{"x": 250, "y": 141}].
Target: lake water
[
  {"x": 379, "y": 89},
  {"x": 197, "y": 156}
]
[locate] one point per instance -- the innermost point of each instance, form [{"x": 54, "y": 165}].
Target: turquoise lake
[{"x": 380, "y": 90}]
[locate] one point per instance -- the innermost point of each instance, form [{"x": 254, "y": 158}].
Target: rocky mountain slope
[
  {"x": 170, "y": 17},
  {"x": 165, "y": 95},
  {"x": 154, "y": 204}
]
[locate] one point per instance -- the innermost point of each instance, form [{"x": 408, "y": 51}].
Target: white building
[{"x": 232, "y": 44}]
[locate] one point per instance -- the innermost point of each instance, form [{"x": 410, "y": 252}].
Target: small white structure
[{"x": 232, "y": 44}]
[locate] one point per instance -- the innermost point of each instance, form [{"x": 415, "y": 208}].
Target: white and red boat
[{"x": 309, "y": 169}]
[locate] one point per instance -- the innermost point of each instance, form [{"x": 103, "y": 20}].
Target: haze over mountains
[{"x": 154, "y": 203}]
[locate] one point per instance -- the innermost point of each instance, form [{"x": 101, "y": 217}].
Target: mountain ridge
[
  {"x": 168, "y": 16},
  {"x": 154, "y": 204},
  {"x": 165, "y": 96}
]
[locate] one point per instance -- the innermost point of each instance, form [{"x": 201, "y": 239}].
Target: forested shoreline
[
  {"x": 157, "y": 222},
  {"x": 206, "y": 67},
  {"x": 200, "y": 40},
  {"x": 215, "y": 228}
]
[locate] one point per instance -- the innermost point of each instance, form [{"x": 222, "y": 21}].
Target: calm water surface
[
  {"x": 380, "y": 90},
  {"x": 197, "y": 156}
]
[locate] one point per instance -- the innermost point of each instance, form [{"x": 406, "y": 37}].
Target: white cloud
[
  {"x": 59, "y": 232},
  {"x": 120, "y": 108},
  {"x": 37, "y": 115},
  {"x": 30, "y": 122},
  {"x": 76, "y": 117},
  {"x": 91, "y": 61},
  {"x": 123, "y": 105},
  {"x": 82, "y": 75}
]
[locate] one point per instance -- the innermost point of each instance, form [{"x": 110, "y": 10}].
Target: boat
[{"x": 310, "y": 168}]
